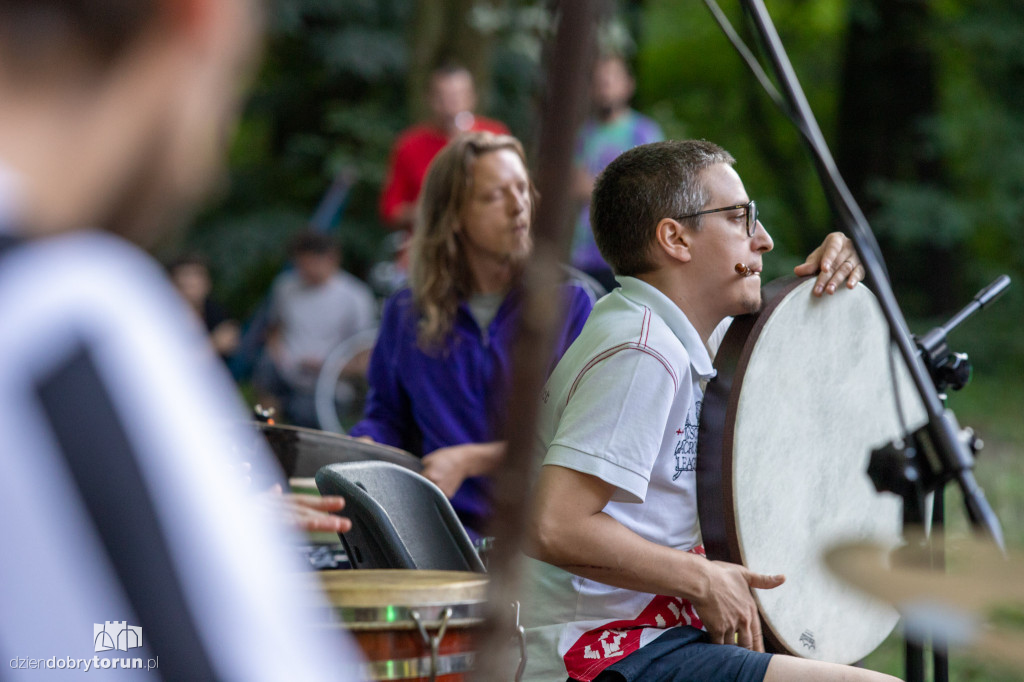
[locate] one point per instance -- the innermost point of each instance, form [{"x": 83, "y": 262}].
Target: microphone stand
[
  {"x": 898, "y": 468},
  {"x": 949, "y": 456}
]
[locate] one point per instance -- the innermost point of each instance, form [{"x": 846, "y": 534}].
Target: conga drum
[
  {"x": 410, "y": 625},
  {"x": 805, "y": 389}
]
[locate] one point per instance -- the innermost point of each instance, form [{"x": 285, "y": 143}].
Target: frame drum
[
  {"x": 410, "y": 625},
  {"x": 804, "y": 392}
]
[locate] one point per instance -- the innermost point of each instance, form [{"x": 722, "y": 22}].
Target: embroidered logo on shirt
[{"x": 686, "y": 447}]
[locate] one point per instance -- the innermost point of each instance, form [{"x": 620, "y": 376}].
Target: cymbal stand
[{"x": 912, "y": 469}]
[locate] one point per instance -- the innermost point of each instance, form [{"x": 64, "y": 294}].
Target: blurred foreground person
[{"x": 129, "y": 540}]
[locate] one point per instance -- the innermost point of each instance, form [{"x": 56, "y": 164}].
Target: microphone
[{"x": 743, "y": 271}]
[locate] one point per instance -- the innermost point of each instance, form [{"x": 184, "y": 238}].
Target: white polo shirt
[{"x": 623, "y": 405}]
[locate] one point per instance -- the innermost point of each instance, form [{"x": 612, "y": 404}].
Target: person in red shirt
[{"x": 452, "y": 99}]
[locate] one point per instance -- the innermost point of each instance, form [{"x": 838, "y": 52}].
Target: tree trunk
[
  {"x": 888, "y": 93},
  {"x": 441, "y": 30}
]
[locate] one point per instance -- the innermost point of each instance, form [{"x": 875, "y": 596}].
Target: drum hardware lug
[
  {"x": 434, "y": 642},
  {"x": 521, "y": 637}
]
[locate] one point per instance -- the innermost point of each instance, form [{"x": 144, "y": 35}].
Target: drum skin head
[
  {"x": 804, "y": 393},
  {"x": 386, "y": 587}
]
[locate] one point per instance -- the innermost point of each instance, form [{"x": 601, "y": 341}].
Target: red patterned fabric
[{"x": 599, "y": 648}]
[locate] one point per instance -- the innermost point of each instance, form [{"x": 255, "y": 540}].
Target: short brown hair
[
  {"x": 640, "y": 188},
  {"x": 310, "y": 242}
]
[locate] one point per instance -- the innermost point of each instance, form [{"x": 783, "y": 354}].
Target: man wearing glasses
[{"x": 621, "y": 590}]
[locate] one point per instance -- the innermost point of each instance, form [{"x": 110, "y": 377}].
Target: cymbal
[{"x": 978, "y": 602}]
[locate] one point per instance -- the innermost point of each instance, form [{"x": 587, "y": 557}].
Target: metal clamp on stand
[
  {"x": 912, "y": 468},
  {"x": 948, "y": 369}
]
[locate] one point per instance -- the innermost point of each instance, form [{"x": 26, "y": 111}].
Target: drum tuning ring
[{"x": 433, "y": 641}]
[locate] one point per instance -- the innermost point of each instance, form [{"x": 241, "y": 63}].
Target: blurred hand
[
  {"x": 447, "y": 468},
  {"x": 309, "y": 512}
]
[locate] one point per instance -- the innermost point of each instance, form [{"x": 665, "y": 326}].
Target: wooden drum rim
[{"x": 718, "y": 421}]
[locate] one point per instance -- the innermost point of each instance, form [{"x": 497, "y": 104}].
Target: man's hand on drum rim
[
  {"x": 728, "y": 610},
  {"x": 310, "y": 512},
  {"x": 835, "y": 262}
]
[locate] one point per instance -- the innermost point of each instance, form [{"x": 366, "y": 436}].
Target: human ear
[{"x": 673, "y": 239}]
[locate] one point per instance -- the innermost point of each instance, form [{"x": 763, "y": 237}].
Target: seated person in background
[
  {"x": 612, "y": 128},
  {"x": 191, "y": 277},
  {"x": 313, "y": 307},
  {"x": 440, "y": 372},
  {"x": 622, "y": 590},
  {"x": 452, "y": 101}
]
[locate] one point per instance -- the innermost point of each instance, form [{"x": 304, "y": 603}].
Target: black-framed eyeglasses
[{"x": 750, "y": 213}]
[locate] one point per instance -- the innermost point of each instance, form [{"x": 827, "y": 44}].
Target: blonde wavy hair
[{"x": 439, "y": 275}]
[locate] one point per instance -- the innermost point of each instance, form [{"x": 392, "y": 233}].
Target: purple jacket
[{"x": 420, "y": 403}]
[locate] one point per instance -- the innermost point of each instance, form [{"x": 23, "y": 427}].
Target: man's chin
[{"x": 751, "y": 305}]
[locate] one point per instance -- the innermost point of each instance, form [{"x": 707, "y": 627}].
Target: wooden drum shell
[{"x": 380, "y": 608}]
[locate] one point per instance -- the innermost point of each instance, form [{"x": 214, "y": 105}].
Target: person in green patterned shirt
[{"x": 613, "y": 128}]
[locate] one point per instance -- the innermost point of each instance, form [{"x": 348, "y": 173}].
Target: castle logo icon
[{"x": 115, "y": 634}]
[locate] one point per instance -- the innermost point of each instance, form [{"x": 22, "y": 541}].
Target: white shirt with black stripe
[{"x": 100, "y": 363}]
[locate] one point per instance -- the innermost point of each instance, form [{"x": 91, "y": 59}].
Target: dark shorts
[{"x": 684, "y": 654}]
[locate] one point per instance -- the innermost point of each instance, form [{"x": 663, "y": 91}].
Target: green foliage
[
  {"x": 693, "y": 83},
  {"x": 331, "y": 98},
  {"x": 979, "y": 130},
  {"x": 691, "y": 80},
  {"x": 911, "y": 213}
]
